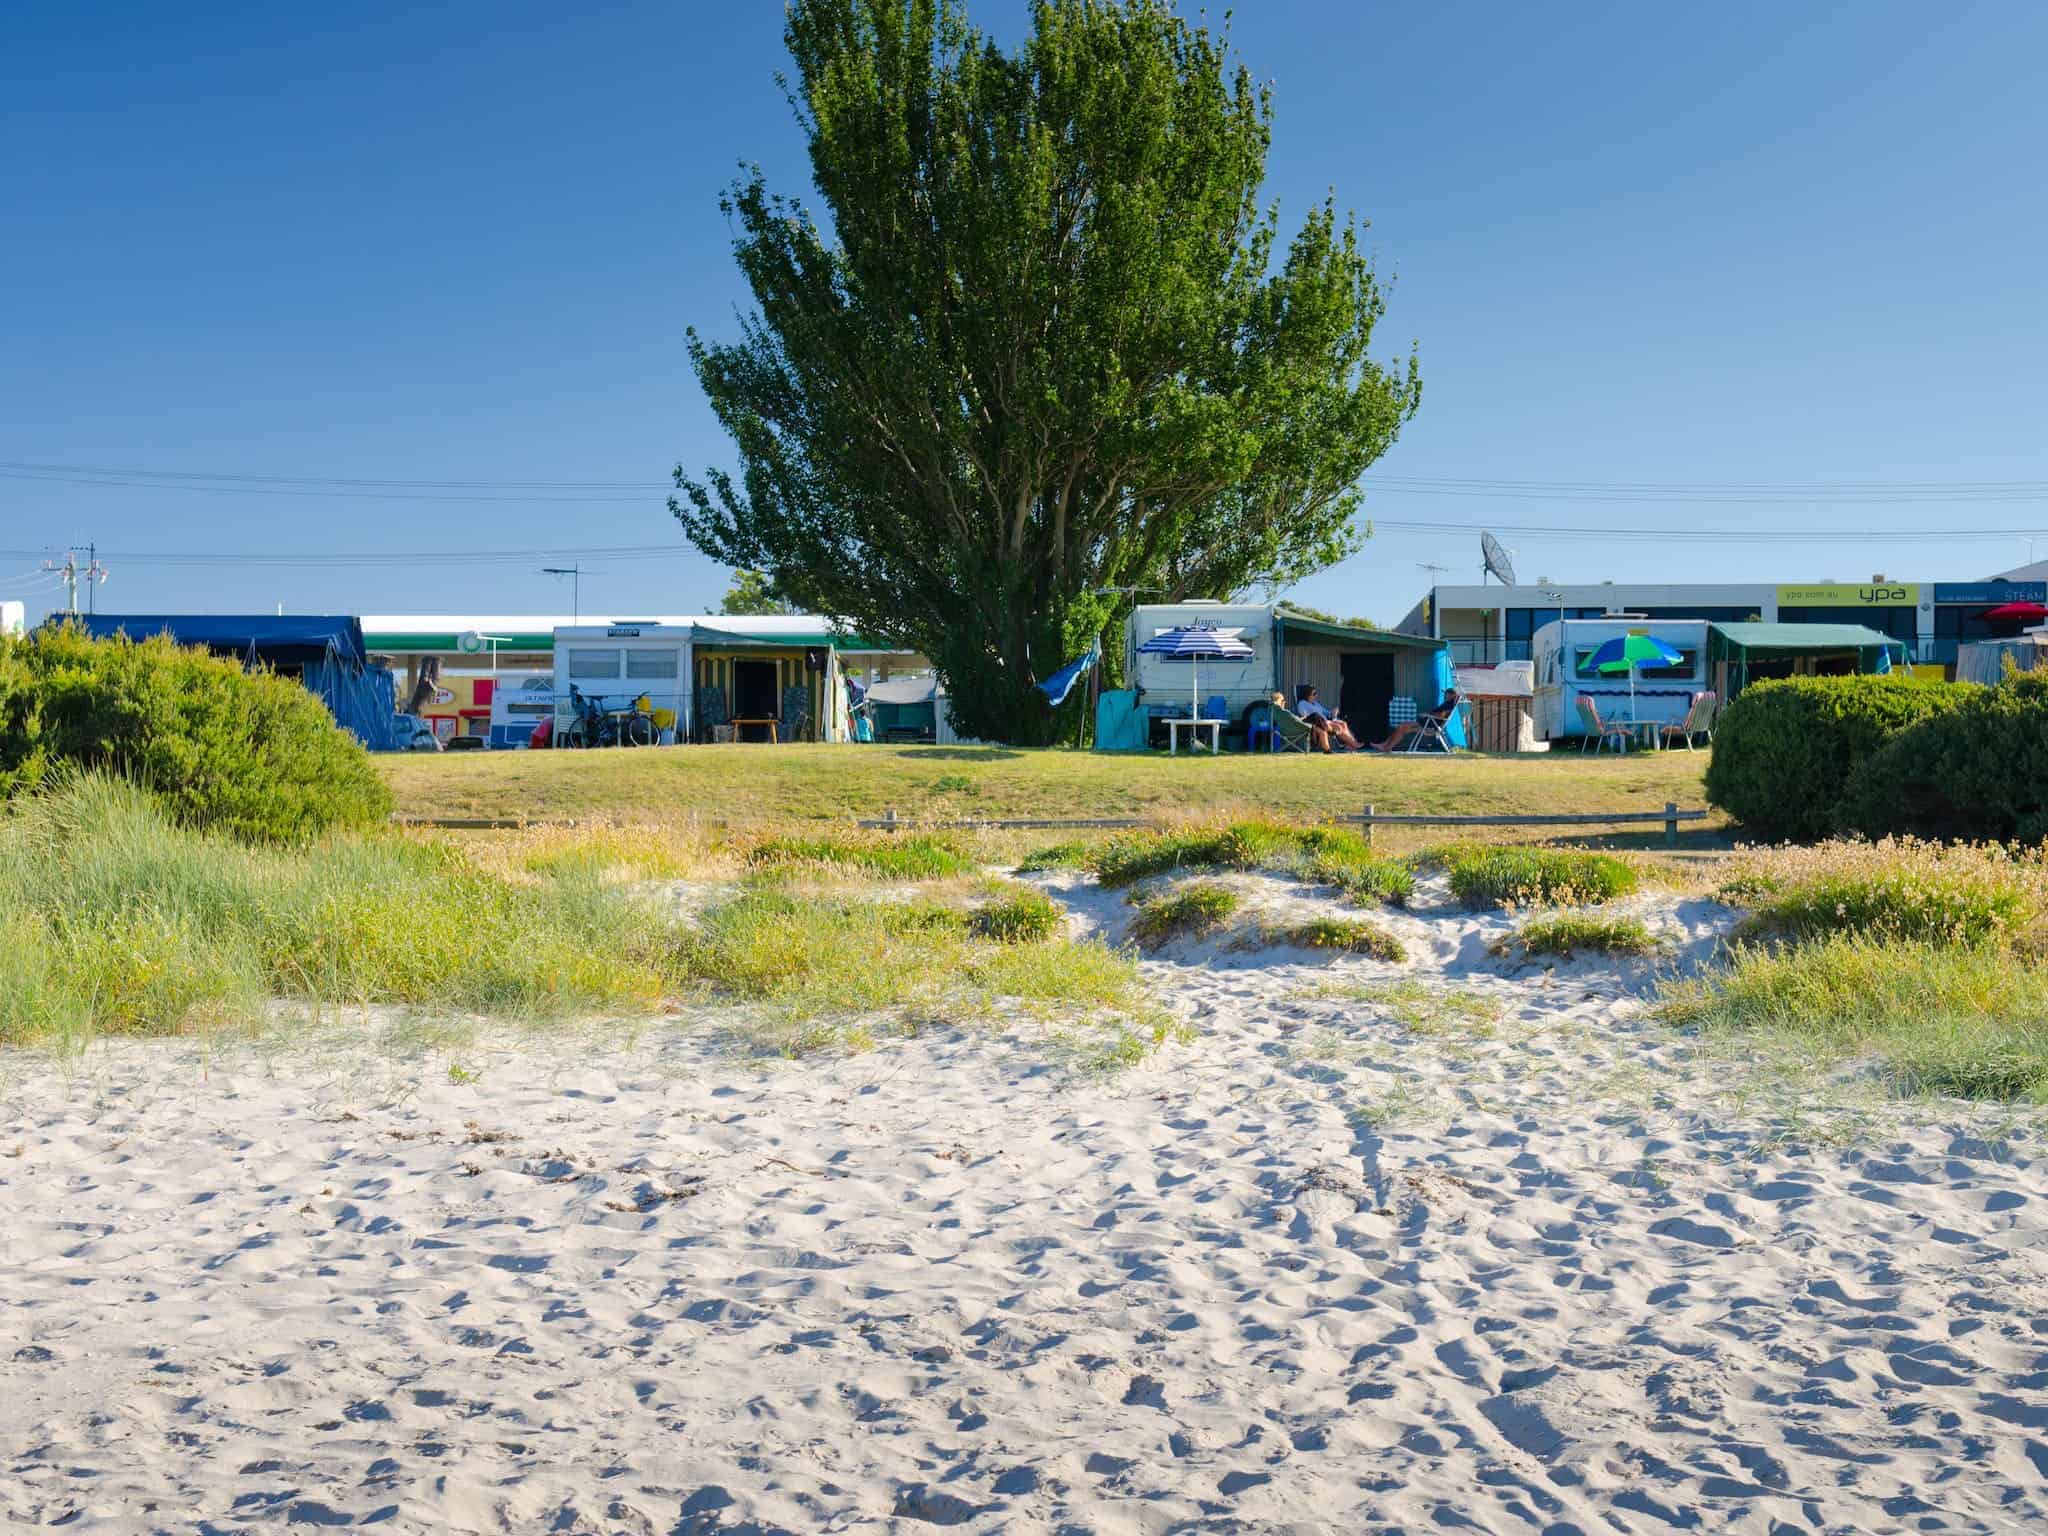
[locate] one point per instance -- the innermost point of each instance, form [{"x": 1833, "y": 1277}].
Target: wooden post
[
  {"x": 891, "y": 819},
  {"x": 1368, "y": 823},
  {"x": 1670, "y": 823}
]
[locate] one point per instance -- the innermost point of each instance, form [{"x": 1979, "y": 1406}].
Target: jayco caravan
[{"x": 1566, "y": 672}]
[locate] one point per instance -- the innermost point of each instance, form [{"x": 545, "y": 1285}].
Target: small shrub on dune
[
  {"x": 1515, "y": 877},
  {"x": 1352, "y": 936},
  {"x": 1568, "y": 933},
  {"x": 1071, "y": 855},
  {"x": 1191, "y": 912},
  {"x": 1022, "y": 916},
  {"x": 1324, "y": 855}
]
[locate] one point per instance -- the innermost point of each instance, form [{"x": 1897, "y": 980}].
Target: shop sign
[
  {"x": 623, "y": 632},
  {"x": 1991, "y": 593},
  {"x": 1892, "y": 594}
]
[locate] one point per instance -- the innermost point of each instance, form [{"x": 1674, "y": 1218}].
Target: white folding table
[{"x": 1174, "y": 728}]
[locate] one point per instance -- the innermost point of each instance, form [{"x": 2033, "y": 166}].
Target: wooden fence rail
[{"x": 1670, "y": 816}]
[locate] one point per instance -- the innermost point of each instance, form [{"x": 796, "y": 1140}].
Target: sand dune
[{"x": 1518, "y": 1264}]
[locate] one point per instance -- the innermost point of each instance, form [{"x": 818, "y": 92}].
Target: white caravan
[{"x": 1565, "y": 673}]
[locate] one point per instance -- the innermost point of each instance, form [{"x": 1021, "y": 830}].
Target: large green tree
[{"x": 1051, "y": 353}]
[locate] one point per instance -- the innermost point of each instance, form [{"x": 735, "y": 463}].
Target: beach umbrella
[
  {"x": 1625, "y": 653},
  {"x": 1194, "y": 644},
  {"x": 2016, "y": 613}
]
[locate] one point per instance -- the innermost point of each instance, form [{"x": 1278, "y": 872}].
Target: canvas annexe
[{"x": 1358, "y": 672}]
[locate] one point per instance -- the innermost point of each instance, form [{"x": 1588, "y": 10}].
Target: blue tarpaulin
[
  {"x": 325, "y": 650},
  {"x": 1122, "y": 724},
  {"x": 1454, "y": 728}
]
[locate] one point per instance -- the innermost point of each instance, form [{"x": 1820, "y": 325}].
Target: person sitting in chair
[
  {"x": 1440, "y": 714},
  {"x": 1318, "y": 738},
  {"x": 1313, "y": 710}
]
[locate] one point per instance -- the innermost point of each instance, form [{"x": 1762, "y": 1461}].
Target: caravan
[{"x": 1565, "y": 673}]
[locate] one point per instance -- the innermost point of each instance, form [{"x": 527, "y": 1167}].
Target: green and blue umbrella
[{"x": 1627, "y": 653}]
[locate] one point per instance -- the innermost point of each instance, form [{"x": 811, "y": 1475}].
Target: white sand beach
[{"x": 1339, "y": 1263}]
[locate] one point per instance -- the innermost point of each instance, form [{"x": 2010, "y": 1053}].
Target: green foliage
[
  {"x": 886, "y": 856},
  {"x": 1071, "y": 855},
  {"x": 1020, "y": 916},
  {"x": 1049, "y": 344},
  {"x": 1330, "y": 618},
  {"x": 1964, "y": 1021},
  {"x": 1324, "y": 855},
  {"x": 246, "y": 753},
  {"x": 1522, "y": 877},
  {"x": 1930, "y": 893},
  {"x": 752, "y": 593},
  {"x": 1566, "y": 933},
  {"x": 1786, "y": 751},
  {"x": 1977, "y": 772},
  {"x": 1352, "y": 935},
  {"x": 1191, "y": 912}
]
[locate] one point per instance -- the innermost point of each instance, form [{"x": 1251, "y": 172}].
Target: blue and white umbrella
[{"x": 1196, "y": 643}]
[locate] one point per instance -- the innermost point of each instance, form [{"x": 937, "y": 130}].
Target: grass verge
[{"x": 1963, "y": 1021}]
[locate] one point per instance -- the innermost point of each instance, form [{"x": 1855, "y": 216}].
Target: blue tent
[{"x": 325, "y": 651}]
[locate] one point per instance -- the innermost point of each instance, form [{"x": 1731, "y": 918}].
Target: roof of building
[
  {"x": 536, "y": 632},
  {"x": 282, "y": 640},
  {"x": 1802, "y": 637}
]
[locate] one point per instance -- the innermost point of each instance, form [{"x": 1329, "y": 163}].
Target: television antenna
[
  {"x": 575, "y": 575},
  {"x": 1498, "y": 563},
  {"x": 1431, "y": 567}
]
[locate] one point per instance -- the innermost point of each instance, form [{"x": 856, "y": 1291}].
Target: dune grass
[
  {"x": 1568, "y": 933},
  {"x": 1352, "y": 936},
  {"x": 1896, "y": 889},
  {"x": 1416, "y": 1006},
  {"x": 113, "y": 921},
  {"x": 880, "y": 856},
  {"x": 1529, "y": 877},
  {"x": 1961, "y": 1020},
  {"x": 1194, "y": 911},
  {"x": 1323, "y": 855}
]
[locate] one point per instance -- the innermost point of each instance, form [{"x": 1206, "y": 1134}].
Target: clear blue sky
[{"x": 459, "y": 242}]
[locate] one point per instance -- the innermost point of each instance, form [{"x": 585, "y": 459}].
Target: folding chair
[
  {"x": 1699, "y": 721},
  {"x": 1600, "y": 732},
  {"x": 1290, "y": 733}
]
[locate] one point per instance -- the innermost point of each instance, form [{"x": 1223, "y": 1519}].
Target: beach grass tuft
[
  {"x": 1528, "y": 877},
  {"x": 1569, "y": 933},
  {"x": 1191, "y": 912},
  {"x": 1353, "y": 936}
]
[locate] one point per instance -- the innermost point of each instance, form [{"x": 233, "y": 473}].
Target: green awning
[
  {"x": 1300, "y": 630},
  {"x": 1802, "y": 638}
]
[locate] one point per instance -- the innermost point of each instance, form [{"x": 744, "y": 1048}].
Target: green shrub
[
  {"x": 1977, "y": 772},
  {"x": 246, "y": 753},
  {"x": 1351, "y": 935},
  {"x": 1786, "y": 750},
  {"x": 1566, "y": 933},
  {"x": 1199, "y": 909},
  {"x": 1023, "y": 916},
  {"x": 1969, "y": 1022},
  {"x": 1070, "y": 855},
  {"x": 1508, "y": 877}
]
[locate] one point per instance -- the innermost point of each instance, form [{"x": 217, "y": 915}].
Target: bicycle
[{"x": 595, "y": 726}]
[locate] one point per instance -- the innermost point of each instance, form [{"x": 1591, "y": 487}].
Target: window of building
[{"x": 593, "y": 662}]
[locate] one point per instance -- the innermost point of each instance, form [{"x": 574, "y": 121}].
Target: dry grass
[{"x": 1895, "y": 889}]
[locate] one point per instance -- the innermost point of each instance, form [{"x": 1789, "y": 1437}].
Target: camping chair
[
  {"x": 1215, "y": 707},
  {"x": 1699, "y": 721},
  {"x": 796, "y": 712},
  {"x": 1289, "y": 732},
  {"x": 711, "y": 713},
  {"x": 1431, "y": 735},
  {"x": 1600, "y": 732}
]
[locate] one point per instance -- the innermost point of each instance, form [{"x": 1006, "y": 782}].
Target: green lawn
[{"x": 768, "y": 785}]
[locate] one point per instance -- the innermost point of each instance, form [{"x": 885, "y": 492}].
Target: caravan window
[
  {"x": 651, "y": 664},
  {"x": 593, "y": 662},
  {"x": 1688, "y": 666}
]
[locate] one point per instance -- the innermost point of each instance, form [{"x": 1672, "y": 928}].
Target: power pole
[
  {"x": 575, "y": 575},
  {"x": 92, "y": 574}
]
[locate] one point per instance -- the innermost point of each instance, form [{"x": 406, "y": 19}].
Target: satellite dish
[{"x": 1498, "y": 565}]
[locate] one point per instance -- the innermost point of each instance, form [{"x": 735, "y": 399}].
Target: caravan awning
[
  {"x": 1297, "y": 629},
  {"x": 1803, "y": 638}
]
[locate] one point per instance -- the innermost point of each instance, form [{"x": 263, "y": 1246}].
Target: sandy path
[{"x": 665, "y": 1289}]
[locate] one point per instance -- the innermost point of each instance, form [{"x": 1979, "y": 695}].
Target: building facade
[{"x": 1487, "y": 624}]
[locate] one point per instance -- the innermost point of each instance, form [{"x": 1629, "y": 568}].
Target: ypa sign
[{"x": 1897, "y": 594}]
